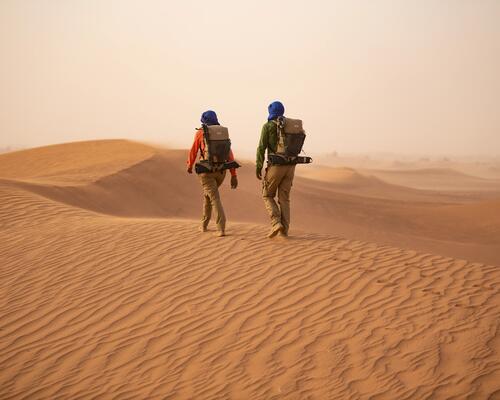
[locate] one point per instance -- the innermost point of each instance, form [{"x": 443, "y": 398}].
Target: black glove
[{"x": 234, "y": 182}]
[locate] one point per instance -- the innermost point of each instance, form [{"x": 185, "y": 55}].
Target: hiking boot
[
  {"x": 283, "y": 234},
  {"x": 219, "y": 234},
  {"x": 202, "y": 229},
  {"x": 275, "y": 230}
]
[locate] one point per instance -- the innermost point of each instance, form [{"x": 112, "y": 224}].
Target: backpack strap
[
  {"x": 280, "y": 123},
  {"x": 205, "y": 139}
]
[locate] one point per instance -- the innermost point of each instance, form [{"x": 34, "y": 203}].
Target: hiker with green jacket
[{"x": 277, "y": 179}]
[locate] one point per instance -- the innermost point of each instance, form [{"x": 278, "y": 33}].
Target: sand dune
[
  {"x": 73, "y": 163},
  {"x": 96, "y": 306},
  {"x": 471, "y": 166},
  {"x": 141, "y": 181},
  {"x": 436, "y": 179},
  {"x": 367, "y": 184},
  {"x": 106, "y": 293}
]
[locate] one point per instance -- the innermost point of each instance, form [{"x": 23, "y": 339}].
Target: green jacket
[{"x": 268, "y": 141}]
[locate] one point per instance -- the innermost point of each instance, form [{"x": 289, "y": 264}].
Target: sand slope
[
  {"x": 424, "y": 184},
  {"x": 132, "y": 180},
  {"x": 73, "y": 163},
  {"x": 95, "y": 306},
  {"x": 436, "y": 179},
  {"x": 98, "y": 301}
]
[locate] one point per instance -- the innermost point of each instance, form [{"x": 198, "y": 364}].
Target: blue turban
[
  {"x": 209, "y": 118},
  {"x": 276, "y": 109}
]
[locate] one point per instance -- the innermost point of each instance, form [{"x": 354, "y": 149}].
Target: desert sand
[{"x": 384, "y": 290}]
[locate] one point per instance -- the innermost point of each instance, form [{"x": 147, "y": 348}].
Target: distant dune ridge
[{"x": 108, "y": 290}]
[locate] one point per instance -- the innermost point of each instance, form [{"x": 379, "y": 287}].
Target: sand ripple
[{"x": 94, "y": 306}]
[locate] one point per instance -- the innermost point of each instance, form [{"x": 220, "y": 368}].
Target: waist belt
[
  {"x": 204, "y": 166},
  {"x": 281, "y": 159}
]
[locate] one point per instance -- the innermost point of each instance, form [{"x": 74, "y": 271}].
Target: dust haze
[
  {"x": 113, "y": 283},
  {"x": 383, "y": 76}
]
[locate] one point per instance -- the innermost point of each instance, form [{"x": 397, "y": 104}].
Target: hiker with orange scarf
[{"x": 212, "y": 145}]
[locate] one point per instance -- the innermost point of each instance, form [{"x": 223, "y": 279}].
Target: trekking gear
[
  {"x": 204, "y": 166},
  {"x": 217, "y": 144},
  {"x": 291, "y": 137},
  {"x": 279, "y": 159},
  {"x": 215, "y": 156}
]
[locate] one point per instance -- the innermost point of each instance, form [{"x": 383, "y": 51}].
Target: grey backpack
[
  {"x": 217, "y": 150},
  {"x": 291, "y": 136},
  {"x": 217, "y": 144}
]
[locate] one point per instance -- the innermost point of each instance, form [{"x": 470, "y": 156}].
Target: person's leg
[
  {"x": 221, "y": 216},
  {"x": 284, "y": 197},
  {"x": 205, "y": 181},
  {"x": 270, "y": 183},
  {"x": 207, "y": 212},
  {"x": 211, "y": 196},
  {"x": 219, "y": 177}
]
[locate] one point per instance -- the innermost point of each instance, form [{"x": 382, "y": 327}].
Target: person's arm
[
  {"x": 261, "y": 149},
  {"x": 231, "y": 158},
  {"x": 234, "y": 178},
  {"x": 194, "y": 151}
]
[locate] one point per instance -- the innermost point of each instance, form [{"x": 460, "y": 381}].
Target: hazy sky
[{"x": 406, "y": 76}]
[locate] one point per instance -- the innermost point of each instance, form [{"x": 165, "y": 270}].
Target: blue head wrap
[
  {"x": 209, "y": 118},
  {"x": 276, "y": 109}
]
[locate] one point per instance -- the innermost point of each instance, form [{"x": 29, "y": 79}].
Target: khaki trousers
[
  {"x": 278, "y": 178},
  {"x": 210, "y": 181}
]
